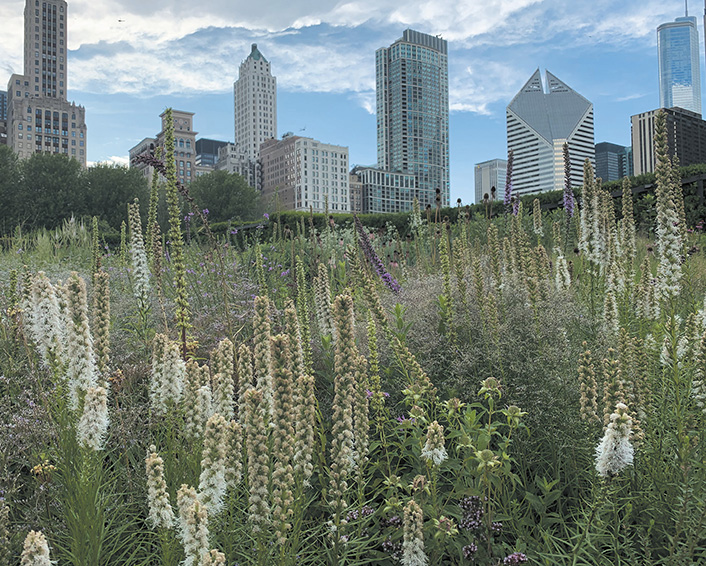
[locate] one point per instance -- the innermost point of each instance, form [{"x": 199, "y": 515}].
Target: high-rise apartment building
[
  {"x": 490, "y": 174},
  {"x": 613, "y": 161},
  {"x": 686, "y": 138},
  {"x": 255, "y": 97},
  {"x": 412, "y": 92},
  {"x": 539, "y": 123},
  {"x": 299, "y": 173},
  {"x": 40, "y": 118},
  {"x": 679, "y": 64}
]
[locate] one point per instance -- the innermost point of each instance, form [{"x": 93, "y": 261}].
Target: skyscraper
[
  {"x": 40, "y": 118},
  {"x": 489, "y": 174},
  {"x": 255, "y": 97},
  {"x": 686, "y": 138},
  {"x": 613, "y": 161},
  {"x": 412, "y": 84},
  {"x": 538, "y": 125},
  {"x": 679, "y": 65}
]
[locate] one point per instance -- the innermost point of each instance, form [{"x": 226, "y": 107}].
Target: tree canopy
[
  {"x": 46, "y": 189},
  {"x": 226, "y": 196}
]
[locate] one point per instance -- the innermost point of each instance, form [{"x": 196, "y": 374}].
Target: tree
[
  {"x": 226, "y": 196},
  {"x": 9, "y": 183},
  {"x": 109, "y": 189},
  {"x": 51, "y": 189}
]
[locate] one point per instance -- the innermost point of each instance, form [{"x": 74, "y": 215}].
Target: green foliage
[
  {"x": 109, "y": 188},
  {"x": 226, "y": 196}
]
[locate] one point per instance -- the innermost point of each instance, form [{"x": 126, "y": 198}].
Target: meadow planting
[{"x": 515, "y": 387}]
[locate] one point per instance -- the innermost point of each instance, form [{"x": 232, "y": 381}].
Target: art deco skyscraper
[
  {"x": 255, "y": 96},
  {"x": 679, "y": 64},
  {"x": 412, "y": 84},
  {"x": 538, "y": 125},
  {"x": 40, "y": 118}
]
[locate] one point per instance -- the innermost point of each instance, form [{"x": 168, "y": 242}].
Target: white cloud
[{"x": 317, "y": 45}]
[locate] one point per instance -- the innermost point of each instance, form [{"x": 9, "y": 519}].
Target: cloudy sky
[{"x": 131, "y": 59}]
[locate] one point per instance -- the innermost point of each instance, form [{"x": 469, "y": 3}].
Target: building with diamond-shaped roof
[{"x": 539, "y": 123}]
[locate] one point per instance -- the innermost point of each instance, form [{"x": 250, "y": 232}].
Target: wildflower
[
  {"x": 101, "y": 319},
  {"x": 160, "y": 509},
  {"x": 168, "y": 374},
  {"x": 35, "y": 551},
  {"x": 283, "y": 437},
  {"x": 261, "y": 329},
  {"x": 45, "y": 320},
  {"x": 93, "y": 424},
  {"x": 365, "y": 243},
  {"x": 193, "y": 523},
  {"x": 222, "y": 368},
  {"x": 469, "y": 551},
  {"x": 434, "y": 450},
  {"x": 212, "y": 482},
  {"x": 139, "y": 256},
  {"x": 615, "y": 452},
  {"x": 266, "y": 216},
  {"x": 214, "y": 558},
  {"x": 413, "y": 544},
  {"x": 514, "y": 558},
  {"x": 258, "y": 460},
  {"x": 81, "y": 367},
  {"x": 197, "y": 399}
]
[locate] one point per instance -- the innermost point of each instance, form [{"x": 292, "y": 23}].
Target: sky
[{"x": 129, "y": 60}]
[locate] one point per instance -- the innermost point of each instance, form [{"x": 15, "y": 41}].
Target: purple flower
[
  {"x": 266, "y": 216},
  {"x": 515, "y": 558},
  {"x": 469, "y": 550},
  {"x": 205, "y": 211},
  {"x": 368, "y": 394},
  {"x": 373, "y": 258},
  {"x": 234, "y": 232}
]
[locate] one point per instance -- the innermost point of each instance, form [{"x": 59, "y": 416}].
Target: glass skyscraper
[
  {"x": 412, "y": 84},
  {"x": 679, "y": 69},
  {"x": 539, "y": 123}
]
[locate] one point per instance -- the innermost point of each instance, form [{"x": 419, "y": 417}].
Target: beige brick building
[
  {"x": 299, "y": 173},
  {"x": 39, "y": 116}
]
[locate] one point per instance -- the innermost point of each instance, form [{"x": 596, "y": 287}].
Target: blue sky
[{"x": 186, "y": 55}]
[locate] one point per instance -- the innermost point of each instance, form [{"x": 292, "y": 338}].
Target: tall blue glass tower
[
  {"x": 679, "y": 69},
  {"x": 412, "y": 88}
]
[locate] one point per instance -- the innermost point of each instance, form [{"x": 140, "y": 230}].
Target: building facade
[
  {"x": 184, "y": 147},
  {"x": 39, "y": 116},
  {"x": 300, "y": 173},
  {"x": 386, "y": 191},
  {"x": 412, "y": 98},
  {"x": 489, "y": 174},
  {"x": 686, "y": 138},
  {"x": 613, "y": 161},
  {"x": 255, "y": 102},
  {"x": 233, "y": 160},
  {"x": 539, "y": 123},
  {"x": 679, "y": 64},
  {"x": 207, "y": 151}
]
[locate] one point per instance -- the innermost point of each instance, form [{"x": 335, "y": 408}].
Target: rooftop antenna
[{"x": 686, "y": 7}]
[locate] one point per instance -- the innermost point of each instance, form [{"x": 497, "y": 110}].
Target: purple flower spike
[{"x": 389, "y": 281}]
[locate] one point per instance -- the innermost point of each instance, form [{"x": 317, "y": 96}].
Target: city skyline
[{"x": 324, "y": 61}]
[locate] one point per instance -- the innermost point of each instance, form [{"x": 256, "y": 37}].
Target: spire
[{"x": 686, "y": 7}]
